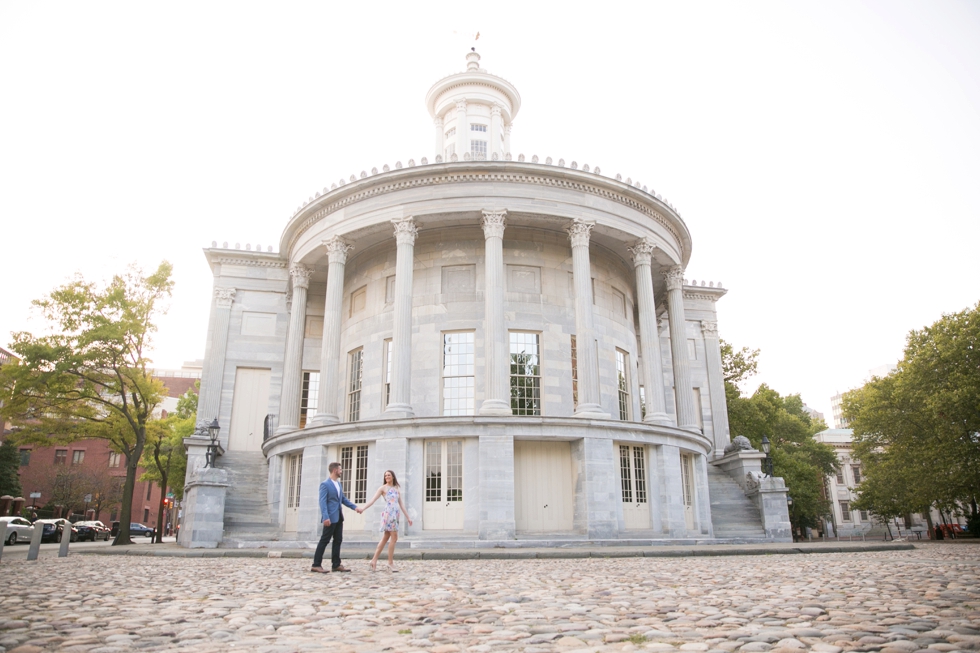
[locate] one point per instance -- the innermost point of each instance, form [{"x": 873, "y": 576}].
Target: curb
[{"x": 511, "y": 554}]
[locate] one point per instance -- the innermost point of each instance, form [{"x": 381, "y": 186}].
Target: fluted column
[
  {"x": 589, "y": 404},
  {"x": 496, "y": 127},
  {"x": 462, "y": 130},
  {"x": 653, "y": 371},
  {"x": 507, "y": 130},
  {"x": 683, "y": 390},
  {"x": 716, "y": 388},
  {"x": 211, "y": 385},
  {"x": 292, "y": 368},
  {"x": 497, "y": 394},
  {"x": 328, "y": 411},
  {"x": 400, "y": 404},
  {"x": 440, "y": 137}
]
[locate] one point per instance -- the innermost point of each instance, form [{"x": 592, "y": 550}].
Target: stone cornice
[
  {"x": 482, "y": 172},
  {"x": 254, "y": 262}
]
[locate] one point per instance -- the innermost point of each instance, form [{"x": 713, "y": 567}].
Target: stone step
[{"x": 733, "y": 515}]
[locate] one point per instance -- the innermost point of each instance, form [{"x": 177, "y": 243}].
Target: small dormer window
[
  {"x": 451, "y": 133},
  {"x": 478, "y": 128}
]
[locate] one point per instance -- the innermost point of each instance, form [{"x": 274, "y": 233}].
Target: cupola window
[{"x": 478, "y": 128}]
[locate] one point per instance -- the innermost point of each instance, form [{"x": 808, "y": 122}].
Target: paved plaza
[{"x": 890, "y": 601}]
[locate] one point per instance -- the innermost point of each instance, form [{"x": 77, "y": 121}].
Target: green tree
[
  {"x": 164, "y": 458},
  {"x": 800, "y": 460},
  {"x": 917, "y": 430},
  {"x": 9, "y": 464},
  {"x": 88, "y": 375}
]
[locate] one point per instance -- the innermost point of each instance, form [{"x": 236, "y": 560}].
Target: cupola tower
[{"x": 473, "y": 112}]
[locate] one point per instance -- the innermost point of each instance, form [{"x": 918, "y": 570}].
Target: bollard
[
  {"x": 3, "y": 537},
  {"x": 35, "y": 542},
  {"x": 65, "y": 540}
]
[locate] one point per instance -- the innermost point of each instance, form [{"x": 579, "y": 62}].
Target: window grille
[
  {"x": 478, "y": 148},
  {"x": 387, "y": 368},
  {"x": 622, "y": 383},
  {"x": 478, "y": 128},
  {"x": 458, "y": 353},
  {"x": 308, "y": 401},
  {"x": 525, "y": 373},
  {"x": 355, "y": 367}
]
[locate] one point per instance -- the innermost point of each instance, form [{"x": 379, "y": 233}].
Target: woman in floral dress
[{"x": 394, "y": 506}]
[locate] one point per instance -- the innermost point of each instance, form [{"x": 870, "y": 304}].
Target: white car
[{"x": 18, "y": 530}]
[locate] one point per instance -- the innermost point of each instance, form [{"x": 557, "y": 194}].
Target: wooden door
[
  {"x": 633, "y": 487},
  {"x": 294, "y": 480},
  {"x": 544, "y": 495},
  {"x": 249, "y": 407},
  {"x": 442, "y": 508}
]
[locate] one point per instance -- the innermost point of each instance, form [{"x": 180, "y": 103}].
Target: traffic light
[{"x": 166, "y": 502}]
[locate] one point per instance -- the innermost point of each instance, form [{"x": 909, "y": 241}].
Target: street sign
[
  {"x": 35, "y": 495},
  {"x": 170, "y": 495},
  {"x": 88, "y": 498}
]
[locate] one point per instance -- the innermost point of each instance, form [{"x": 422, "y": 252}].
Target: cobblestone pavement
[{"x": 894, "y": 602}]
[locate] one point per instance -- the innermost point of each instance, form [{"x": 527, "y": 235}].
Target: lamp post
[
  {"x": 765, "y": 449},
  {"x": 212, "y": 453}
]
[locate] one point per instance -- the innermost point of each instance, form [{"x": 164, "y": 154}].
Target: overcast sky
[{"x": 825, "y": 155}]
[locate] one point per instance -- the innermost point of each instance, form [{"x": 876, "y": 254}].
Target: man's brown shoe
[
  {"x": 319, "y": 570},
  {"x": 340, "y": 568}
]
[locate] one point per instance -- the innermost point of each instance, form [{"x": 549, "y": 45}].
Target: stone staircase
[
  {"x": 733, "y": 515},
  {"x": 247, "y": 515}
]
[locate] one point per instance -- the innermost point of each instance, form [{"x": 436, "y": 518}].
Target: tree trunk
[
  {"x": 929, "y": 523},
  {"x": 160, "y": 510},
  {"x": 126, "y": 512}
]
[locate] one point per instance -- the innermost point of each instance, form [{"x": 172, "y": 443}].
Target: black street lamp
[
  {"x": 212, "y": 453},
  {"x": 765, "y": 450}
]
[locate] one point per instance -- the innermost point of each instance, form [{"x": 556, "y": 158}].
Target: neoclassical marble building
[{"x": 515, "y": 338}]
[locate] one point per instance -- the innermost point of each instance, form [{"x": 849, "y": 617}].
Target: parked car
[
  {"x": 92, "y": 530},
  {"x": 18, "y": 530},
  {"x": 140, "y": 529},
  {"x": 54, "y": 529}
]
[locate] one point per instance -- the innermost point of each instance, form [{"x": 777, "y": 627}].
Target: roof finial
[{"x": 472, "y": 60}]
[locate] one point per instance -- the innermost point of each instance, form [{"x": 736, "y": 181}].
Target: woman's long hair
[{"x": 394, "y": 479}]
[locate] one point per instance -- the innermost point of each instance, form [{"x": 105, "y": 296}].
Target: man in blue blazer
[{"x": 332, "y": 500}]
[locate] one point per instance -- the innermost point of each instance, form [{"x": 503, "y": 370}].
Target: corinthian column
[
  {"x": 497, "y": 395},
  {"x": 210, "y": 397},
  {"x": 292, "y": 368},
  {"x": 496, "y": 129},
  {"x": 716, "y": 388},
  {"x": 683, "y": 390},
  {"x": 440, "y": 137},
  {"x": 588, "y": 368},
  {"x": 327, "y": 411},
  {"x": 653, "y": 371},
  {"x": 462, "y": 130},
  {"x": 400, "y": 404}
]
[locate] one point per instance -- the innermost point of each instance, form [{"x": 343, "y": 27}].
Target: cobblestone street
[{"x": 893, "y": 601}]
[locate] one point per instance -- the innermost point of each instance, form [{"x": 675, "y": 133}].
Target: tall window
[
  {"x": 355, "y": 365},
  {"x": 457, "y": 373},
  {"x": 60, "y": 456},
  {"x": 574, "y": 372},
  {"x": 845, "y": 511},
  {"x": 643, "y": 403},
  {"x": 25, "y": 457},
  {"x": 295, "y": 480},
  {"x": 840, "y": 476},
  {"x": 387, "y": 369},
  {"x": 856, "y": 472},
  {"x": 77, "y": 457},
  {"x": 450, "y": 150},
  {"x": 478, "y": 147},
  {"x": 114, "y": 457},
  {"x": 623, "y": 384},
  {"x": 632, "y": 474},
  {"x": 698, "y": 408},
  {"x": 311, "y": 390},
  {"x": 525, "y": 373},
  {"x": 146, "y": 514},
  {"x": 354, "y": 477}
]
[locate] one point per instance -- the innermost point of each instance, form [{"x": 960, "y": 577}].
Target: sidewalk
[{"x": 176, "y": 551}]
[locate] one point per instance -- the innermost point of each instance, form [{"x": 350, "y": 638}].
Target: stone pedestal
[
  {"x": 204, "y": 508},
  {"x": 197, "y": 452}
]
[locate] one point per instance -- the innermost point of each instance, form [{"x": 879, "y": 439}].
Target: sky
[{"x": 824, "y": 155}]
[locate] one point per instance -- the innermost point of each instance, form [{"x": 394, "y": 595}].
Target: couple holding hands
[{"x": 332, "y": 500}]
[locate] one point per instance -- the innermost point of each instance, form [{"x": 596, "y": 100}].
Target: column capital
[
  {"x": 224, "y": 297},
  {"x": 494, "y": 223},
  {"x": 495, "y": 110},
  {"x": 337, "y": 249},
  {"x": 405, "y": 230},
  {"x": 642, "y": 251},
  {"x": 674, "y": 276},
  {"x": 709, "y": 329},
  {"x": 300, "y": 274},
  {"x": 437, "y": 121},
  {"x": 460, "y": 105},
  {"x": 580, "y": 231}
]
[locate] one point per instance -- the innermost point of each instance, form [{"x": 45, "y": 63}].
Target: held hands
[{"x": 359, "y": 510}]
